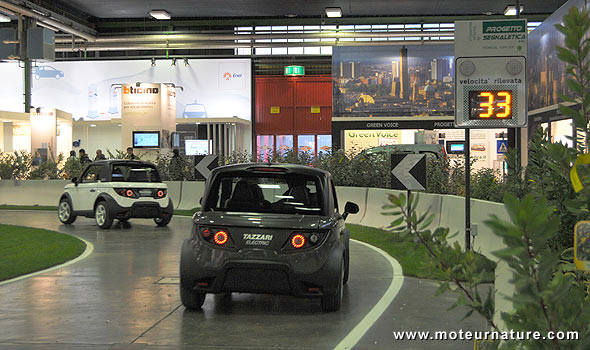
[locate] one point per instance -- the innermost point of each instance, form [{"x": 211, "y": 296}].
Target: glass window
[
  {"x": 91, "y": 174},
  {"x": 324, "y": 143},
  {"x": 273, "y": 193},
  {"x": 264, "y": 147},
  {"x": 133, "y": 172},
  {"x": 306, "y": 143},
  {"x": 284, "y": 143}
]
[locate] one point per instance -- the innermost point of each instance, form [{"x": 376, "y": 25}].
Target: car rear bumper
[
  {"x": 140, "y": 210},
  {"x": 296, "y": 274}
]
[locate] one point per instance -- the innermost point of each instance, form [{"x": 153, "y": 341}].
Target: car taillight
[
  {"x": 126, "y": 192},
  {"x": 160, "y": 194},
  {"x": 217, "y": 236},
  {"x": 298, "y": 241},
  {"x": 220, "y": 237}
]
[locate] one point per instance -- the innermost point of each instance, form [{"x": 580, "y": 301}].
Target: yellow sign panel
[
  {"x": 582, "y": 245},
  {"x": 315, "y": 110},
  {"x": 358, "y": 140},
  {"x": 275, "y": 110}
]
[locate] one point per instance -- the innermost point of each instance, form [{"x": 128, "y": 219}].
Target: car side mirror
[
  {"x": 350, "y": 208},
  {"x": 75, "y": 181}
]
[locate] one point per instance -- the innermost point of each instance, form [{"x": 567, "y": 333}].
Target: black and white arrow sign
[
  {"x": 408, "y": 172},
  {"x": 204, "y": 165}
]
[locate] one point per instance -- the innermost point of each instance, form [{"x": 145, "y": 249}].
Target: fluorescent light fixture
[
  {"x": 4, "y": 18},
  {"x": 269, "y": 186},
  {"x": 333, "y": 12},
  {"x": 93, "y": 125},
  {"x": 510, "y": 10},
  {"x": 160, "y": 14}
]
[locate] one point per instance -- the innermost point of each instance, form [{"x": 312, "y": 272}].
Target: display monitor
[
  {"x": 146, "y": 139},
  {"x": 455, "y": 147},
  {"x": 490, "y": 104},
  {"x": 196, "y": 147}
]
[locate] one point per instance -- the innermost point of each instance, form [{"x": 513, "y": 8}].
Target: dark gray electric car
[{"x": 267, "y": 228}]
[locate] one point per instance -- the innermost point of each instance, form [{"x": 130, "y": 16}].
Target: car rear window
[
  {"x": 276, "y": 193},
  {"x": 135, "y": 173}
]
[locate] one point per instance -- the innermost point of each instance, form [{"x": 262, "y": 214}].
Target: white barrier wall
[{"x": 449, "y": 212}]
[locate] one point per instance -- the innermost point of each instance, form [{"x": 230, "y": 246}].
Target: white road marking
[
  {"x": 89, "y": 249},
  {"x": 367, "y": 322}
]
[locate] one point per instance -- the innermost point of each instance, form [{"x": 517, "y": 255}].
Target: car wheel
[
  {"x": 191, "y": 299},
  {"x": 162, "y": 220},
  {"x": 102, "y": 216},
  {"x": 346, "y": 265},
  {"x": 334, "y": 301},
  {"x": 65, "y": 213}
]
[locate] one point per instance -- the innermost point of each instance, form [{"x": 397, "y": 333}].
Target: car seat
[{"x": 242, "y": 198}]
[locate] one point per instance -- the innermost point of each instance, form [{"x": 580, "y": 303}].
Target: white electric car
[{"x": 116, "y": 189}]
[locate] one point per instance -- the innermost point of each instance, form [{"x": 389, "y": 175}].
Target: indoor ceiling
[{"x": 119, "y": 9}]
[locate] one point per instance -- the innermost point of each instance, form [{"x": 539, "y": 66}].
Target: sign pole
[
  {"x": 467, "y": 191},
  {"x": 409, "y": 208}
]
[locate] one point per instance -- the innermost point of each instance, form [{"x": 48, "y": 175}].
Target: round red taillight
[
  {"x": 220, "y": 237},
  {"x": 129, "y": 193},
  {"x": 298, "y": 241},
  {"x": 206, "y": 233},
  {"x": 160, "y": 193}
]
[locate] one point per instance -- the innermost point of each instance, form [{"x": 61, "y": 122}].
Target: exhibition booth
[{"x": 148, "y": 105}]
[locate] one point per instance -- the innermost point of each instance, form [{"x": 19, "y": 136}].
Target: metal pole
[
  {"x": 25, "y": 23},
  {"x": 409, "y": 209},
  {"x": 467, "y": 192}
]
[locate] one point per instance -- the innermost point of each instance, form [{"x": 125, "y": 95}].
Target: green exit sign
[{"x": 294, "y": 70}]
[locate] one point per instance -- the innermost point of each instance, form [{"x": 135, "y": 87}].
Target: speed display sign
[{"x": 490, "y": 74}]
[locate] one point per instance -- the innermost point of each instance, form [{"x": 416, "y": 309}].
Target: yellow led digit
[
  {"x": 506, "y": 104},
  {"x": 489, "y": 105}
]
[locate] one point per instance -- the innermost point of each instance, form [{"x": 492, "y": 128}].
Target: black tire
[
  {"x": 346, "y": 265},
  {"x": 191, "y": 299},
  {"x": 163, "y": 220},
  {"x": 102, "y": 216},
  {"x": 334, "y": 301},
  {"x": 65, "y": 213}
]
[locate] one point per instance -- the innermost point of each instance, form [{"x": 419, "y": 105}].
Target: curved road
[{"x": 116, "y": 299}]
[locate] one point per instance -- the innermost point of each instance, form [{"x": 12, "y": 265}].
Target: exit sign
[{"x": 294, "y": 70}]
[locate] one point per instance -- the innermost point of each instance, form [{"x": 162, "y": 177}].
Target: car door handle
[{"x": 92, "y": 190}]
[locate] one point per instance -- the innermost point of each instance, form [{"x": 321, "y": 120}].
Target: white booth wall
[{"x": 105, "y": 135}]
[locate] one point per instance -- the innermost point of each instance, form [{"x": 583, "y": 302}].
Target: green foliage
[
  {"x": 485, "y": 185},
  {"x": 575, "y": 53},
  {"x": 15, "y": 165},
  {"x": 458, "y": 270},
  {"x": 72, "y": 168},
  {"x": 171, "y": 168},
  {"x": 48, "y": 170},
  {"x": 120, "y": 154},
  {"x": 549, "y": 295}
]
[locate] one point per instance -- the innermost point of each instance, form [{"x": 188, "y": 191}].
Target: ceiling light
[
  {"x": 138, "y": 84},
  {"x": 186, "y": 64},
  {"x": 173, "y": 62},
  {"x": 291, "y": 15},
  {"x": 333, "y": 12},
  {"x": 160, "y": 14},
  {"x": 4, "y": 18},
  {"x": 510, "y": 10},
  {"x": 153, "y": 62}
]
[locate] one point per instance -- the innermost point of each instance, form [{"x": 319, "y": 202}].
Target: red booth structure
[{"x": 293, "y": 113}]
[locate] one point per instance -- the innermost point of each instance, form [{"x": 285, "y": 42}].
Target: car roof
[{"x": 287, "y": 168}]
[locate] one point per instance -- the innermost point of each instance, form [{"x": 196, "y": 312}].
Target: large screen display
[
  {"x": 91, "y": 90},
  {"x": 390, "y": 81},
  {"x": 146, "y": 139}
]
